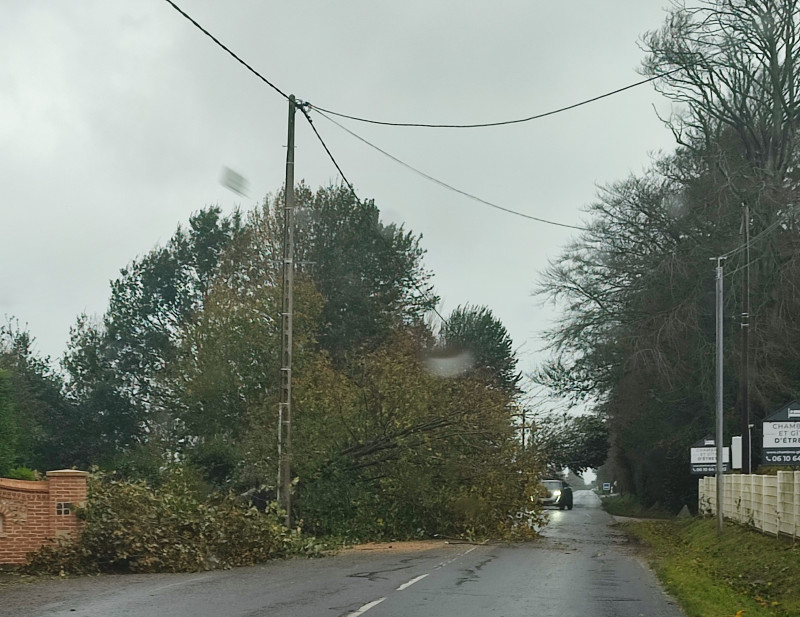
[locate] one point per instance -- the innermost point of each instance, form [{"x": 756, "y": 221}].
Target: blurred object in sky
[
  {"x": 234, "y": 181},
  {"x": 449, "y": 365}
]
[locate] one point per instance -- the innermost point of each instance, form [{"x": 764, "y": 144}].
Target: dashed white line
[
  {"x": 186, "y": 582},
  {"x": 411, "y": 582},
  {"x": 375, "y": 603},
  {"x": 459, "y": 556},
  {"x": 366, "y": 607}
]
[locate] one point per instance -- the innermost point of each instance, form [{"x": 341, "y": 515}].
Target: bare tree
[{"x": 731, "y": 64}]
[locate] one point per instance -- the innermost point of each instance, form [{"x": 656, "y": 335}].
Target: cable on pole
[
  {"x": 304, "y": 108},
  {"x": 767, "y": 230},
  {"x": 227, "y": 49},
  {"x": 444, "y": 184},
  {"x": 416, "y": 124},
  {"x": 500, "y": 122}
]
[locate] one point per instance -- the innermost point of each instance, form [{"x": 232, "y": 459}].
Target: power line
[
  {"x": 416, "y": 124},
  {"x": 304, "y": 108},
  {"x": 320, "y": 110},
  {"x": 227, "y": 49},
  {"x": 500, "y": 122},
  {"x": 783, "y": 218},
  {"x": 767, "y": 230},
  {"x": 444, "y": 184},
  {"x": 744, "y": 266}
]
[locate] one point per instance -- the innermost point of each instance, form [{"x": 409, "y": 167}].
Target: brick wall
[{"x": 31, "y": 513}]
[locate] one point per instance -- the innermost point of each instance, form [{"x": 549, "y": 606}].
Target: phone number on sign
[{"x": 782, "y": 458}]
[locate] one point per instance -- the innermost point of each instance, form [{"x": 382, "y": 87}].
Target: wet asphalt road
[{"x": 583, "y": 566}]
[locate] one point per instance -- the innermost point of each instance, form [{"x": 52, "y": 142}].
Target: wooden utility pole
[
  {"x": 745, "y": 377},
  {"x": 287, "y": 308}
]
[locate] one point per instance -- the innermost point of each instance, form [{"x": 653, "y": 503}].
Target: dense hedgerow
[{"x": 133, "y": 527}]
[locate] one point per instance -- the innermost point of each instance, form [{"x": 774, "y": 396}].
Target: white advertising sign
[
  {"x": 781, "y": 435},
  {"x": 705, "y": 456}
]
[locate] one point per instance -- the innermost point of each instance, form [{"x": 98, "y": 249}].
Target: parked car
[{"x": 556, "y": 493}]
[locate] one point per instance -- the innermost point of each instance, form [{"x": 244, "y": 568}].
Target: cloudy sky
[{"x": 117, "y": 118}]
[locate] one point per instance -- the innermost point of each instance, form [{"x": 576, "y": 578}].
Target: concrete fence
[
  {"x": 31, "y": 513},
  {"x": 768, "y": 503}
]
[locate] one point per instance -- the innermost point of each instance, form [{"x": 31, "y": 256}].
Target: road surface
[{"x": 583, "y": 566}]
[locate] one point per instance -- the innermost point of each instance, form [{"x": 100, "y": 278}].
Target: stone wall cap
[
  {"x": 32, "y": 486},
  {"x": 66, "y": 473}
]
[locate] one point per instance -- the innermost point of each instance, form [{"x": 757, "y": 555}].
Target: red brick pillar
[{"x": 67, "y": 492}]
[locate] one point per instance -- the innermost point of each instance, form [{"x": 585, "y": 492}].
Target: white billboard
[{"x": 781, "y": 436}]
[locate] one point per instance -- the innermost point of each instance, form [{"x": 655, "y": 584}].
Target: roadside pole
[
  {"x": 719, "y": 436},
  {"x": 745, "y": 379},
  {"x": 287, "y": 308}
]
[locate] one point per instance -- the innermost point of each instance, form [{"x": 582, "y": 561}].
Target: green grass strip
[{"x": 741, "y": 574}]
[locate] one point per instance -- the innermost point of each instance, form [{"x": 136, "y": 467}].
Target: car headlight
[{"x": 556, "y": 493}]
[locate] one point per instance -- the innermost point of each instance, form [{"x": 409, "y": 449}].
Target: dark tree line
[{"x": 637, "y": 333}]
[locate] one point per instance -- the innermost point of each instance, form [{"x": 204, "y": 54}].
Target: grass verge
[
  {"x": 628, "y": 505},
  {"x": 742, "y": 573}
]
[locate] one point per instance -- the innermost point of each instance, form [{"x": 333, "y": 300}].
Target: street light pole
[{"x": 718, "y": 397}]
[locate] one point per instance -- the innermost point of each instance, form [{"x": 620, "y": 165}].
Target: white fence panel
[{"x": 768, "y": 503}]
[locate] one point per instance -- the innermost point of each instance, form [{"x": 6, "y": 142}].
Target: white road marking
[
  {"x": 448, "y": 562},
  {"x": 366, "y": 607},
  {"x": 187, "y": 582},
  {"x": 411, "y": 582},
  {"x": 375, "y": 603}
]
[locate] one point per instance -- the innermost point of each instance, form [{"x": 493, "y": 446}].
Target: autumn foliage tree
[{"x": 183, "y": 369}]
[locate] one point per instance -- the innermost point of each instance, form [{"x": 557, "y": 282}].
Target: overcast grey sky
[{"x": 117, "y": 117}]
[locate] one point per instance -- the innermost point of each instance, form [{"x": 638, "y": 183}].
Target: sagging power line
[
  {"x": 323, "y": 111},
  {"x": 445, "y": 184},
  {"x": 418, "y": 124},
  {"x": 304, "y": 109},
  {"x": 481, "y": 125}
]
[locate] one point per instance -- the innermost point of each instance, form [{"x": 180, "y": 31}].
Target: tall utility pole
[
  {"x": 745, "y": 378},
  {"x": 287, "y": 308},
  {"x": 719, "y": 436}
]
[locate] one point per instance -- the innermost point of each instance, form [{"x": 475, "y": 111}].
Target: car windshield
[{"x": 552, "y": 485}]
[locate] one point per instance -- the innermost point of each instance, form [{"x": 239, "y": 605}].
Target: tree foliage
[
  {"x": 428, "y": 454},
  {"x": 478, "y": 333},
  {"x": 732, "y": 65},
  {"x": 565, "y": 441},
  {"x": 370, "y": 275},
  {"x": 130, "y": 526},
  {"x": 8, "y": 425},
  {"x": 183, "y": 368},
  {"x": 45, "y": 424},
  {"x": 115, "y": 366},
  {"x": 637, "y": 334}
]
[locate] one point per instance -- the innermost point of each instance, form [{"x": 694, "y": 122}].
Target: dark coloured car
[{"x": 556, "y": 493}]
